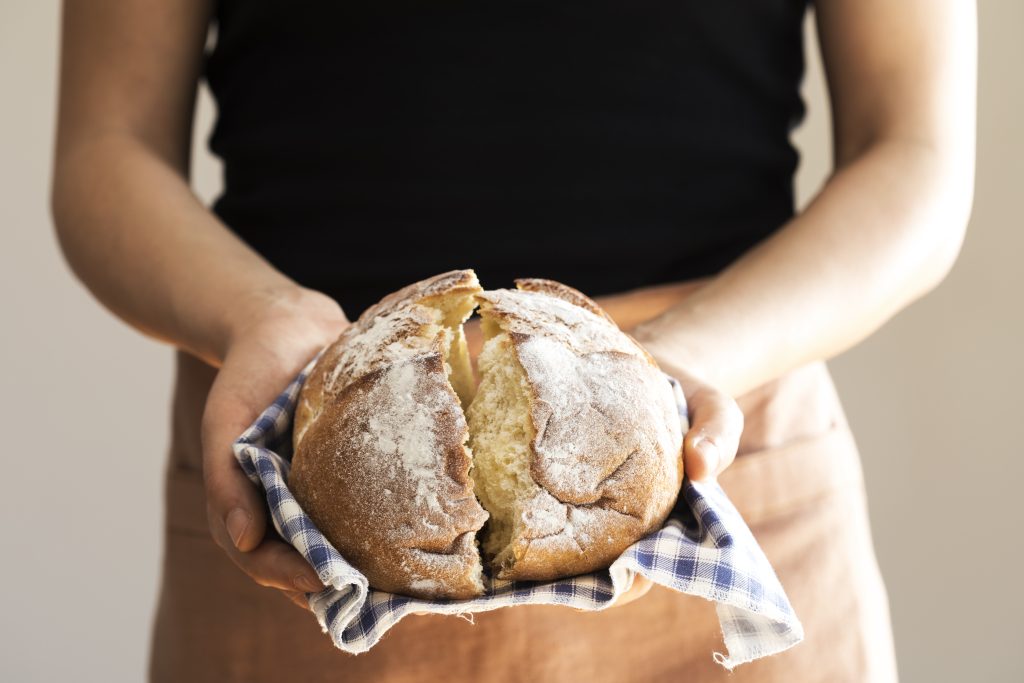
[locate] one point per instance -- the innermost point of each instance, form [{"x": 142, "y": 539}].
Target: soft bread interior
[
  {"x": 500, "y": 434},
  {"x": 498, "y": 416},
  {"x": 454, "y": 310},
  {"x": 451, "y": 311},
  {"x": 460, "y": 370}
]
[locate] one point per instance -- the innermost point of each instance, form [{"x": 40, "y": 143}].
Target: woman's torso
[{"x": 608, "y": 144}]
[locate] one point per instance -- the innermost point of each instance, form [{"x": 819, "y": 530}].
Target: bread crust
[
  {"x": 379, "y": 460},
  {"x": 607, "y": 450}
]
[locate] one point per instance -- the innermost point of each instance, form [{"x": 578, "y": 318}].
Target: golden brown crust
[
  {"x": 574, "y": 296},
  {"x": 451, "y": 283},
  {"x": 380, "y": 463},
  {"x": 564, "y": 292}
]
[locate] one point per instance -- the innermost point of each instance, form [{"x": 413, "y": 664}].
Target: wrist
[
  {"x": 304, "y": 312},
  {"x": 673, "y": 354}
]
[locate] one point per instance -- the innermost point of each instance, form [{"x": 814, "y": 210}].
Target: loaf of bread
[{"x": 566, "y": 451}]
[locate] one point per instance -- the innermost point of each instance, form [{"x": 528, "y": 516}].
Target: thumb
[
  {"x": 232, "y": 500},
  {"x": 710, "y": 444},
  {"x": 234, "y": 503}
]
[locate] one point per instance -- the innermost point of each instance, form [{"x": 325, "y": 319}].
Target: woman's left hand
[{"x": 716, "y": 422}]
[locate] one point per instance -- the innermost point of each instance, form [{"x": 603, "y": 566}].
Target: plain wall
[{"x": 933, "y": 400}]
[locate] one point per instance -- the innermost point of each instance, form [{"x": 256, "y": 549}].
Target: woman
[{"x": 638, "y": 151}]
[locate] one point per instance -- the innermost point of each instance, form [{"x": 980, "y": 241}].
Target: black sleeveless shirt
[{"x": 608, "y": 144}]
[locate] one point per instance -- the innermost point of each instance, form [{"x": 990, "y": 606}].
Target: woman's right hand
[{"x": 275, "y": 336}]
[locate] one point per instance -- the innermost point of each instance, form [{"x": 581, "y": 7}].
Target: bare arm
[
  {"x": 886, "y": 227},
  {"x": 145, "y": 246},
  {"x": 128, "y": 223}
]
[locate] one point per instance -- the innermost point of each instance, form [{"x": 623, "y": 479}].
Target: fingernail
[
  {"x": 709, "y": 451},
  {"x": 237, "y": 522},
  {"x": 307, "y": 585}
]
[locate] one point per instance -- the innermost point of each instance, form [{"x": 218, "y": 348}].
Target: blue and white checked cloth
[{"x": 704, "y": 549}]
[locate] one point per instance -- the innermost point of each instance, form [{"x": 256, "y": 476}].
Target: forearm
[
  {"x": 883, "y": 231},
  {"x": 138, "y": 238}
]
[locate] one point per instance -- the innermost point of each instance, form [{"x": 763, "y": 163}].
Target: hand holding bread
[
  {"x": 284, "y": 335},
  {"x": 280, "y": 333}
]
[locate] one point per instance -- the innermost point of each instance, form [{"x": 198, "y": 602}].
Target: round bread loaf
[{"x": 566, "y": 451}]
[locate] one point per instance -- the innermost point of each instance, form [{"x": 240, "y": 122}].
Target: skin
[{"x": 883, "y": 231}]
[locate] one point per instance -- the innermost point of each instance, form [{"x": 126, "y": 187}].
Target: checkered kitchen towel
[{"x": 704, "y": 549}]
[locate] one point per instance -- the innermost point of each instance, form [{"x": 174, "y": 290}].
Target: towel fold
[{"x": 704, "y": 549}]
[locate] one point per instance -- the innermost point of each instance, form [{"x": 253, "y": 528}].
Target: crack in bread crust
[{"x": 571, "y": 442}]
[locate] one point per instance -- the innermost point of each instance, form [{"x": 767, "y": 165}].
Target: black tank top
[{"x": 608, "y": 144}]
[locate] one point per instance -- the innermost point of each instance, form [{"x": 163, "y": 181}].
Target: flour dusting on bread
[
  {"x": 593, "y": 459},
  {"x": 571, "y": 442},
  {"x": 381, "y": 463}
]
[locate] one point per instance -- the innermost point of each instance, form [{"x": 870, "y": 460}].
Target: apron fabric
[{"x": 796, "y": 481}]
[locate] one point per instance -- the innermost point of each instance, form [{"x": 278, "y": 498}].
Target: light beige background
[{"x": 934, "y": 399}]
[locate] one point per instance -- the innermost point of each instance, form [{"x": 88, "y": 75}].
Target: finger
[
  {"x": 273, "y": 564},
  {"x": 236, "y": 504},
  {"x": 297, "y": 598},
  {"x": 710, "y": 444},
  {"x": 641, "y": 586}
]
